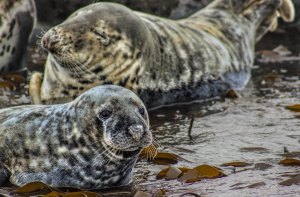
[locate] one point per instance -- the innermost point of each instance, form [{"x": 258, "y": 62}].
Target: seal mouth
[
  {"x": 123, "y": 153},
  {"x": 128, "y": 154}
]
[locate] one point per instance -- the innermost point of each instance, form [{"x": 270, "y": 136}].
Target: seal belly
[{"x": 201, "y": 90}]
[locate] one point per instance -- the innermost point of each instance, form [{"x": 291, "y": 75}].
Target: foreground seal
[
  {"x": 163, "y": 61},
  {"x": 91, "y": 142},
  {"x": 17, "y": 19}
]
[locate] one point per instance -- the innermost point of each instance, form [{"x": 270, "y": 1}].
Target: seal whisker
[
  {"x": 147, "y": 154},
  {"x": 39, "y": 46},
  {"x": 78, "y": 66},
  {"x": 156, "y": 142},
  {"x": 81, "y": 68},
  {"x": 84, "y": 67},
  {"x": 153, "y": 152},
  {"x": 72, "y": 66},
  {"x": 44, "y": 31},
  {"x": 76, "y": 69}
]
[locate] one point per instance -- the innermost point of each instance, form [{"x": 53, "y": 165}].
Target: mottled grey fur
[
  {"x": 17, "y": 19},
  {"x": 72, "y": 144}
]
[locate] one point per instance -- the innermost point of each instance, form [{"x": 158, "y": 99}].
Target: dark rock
[{"x": 53, "y": 12}]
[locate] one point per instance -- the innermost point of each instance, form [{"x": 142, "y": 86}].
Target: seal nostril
[
  {"x": 135, "y": 132},
  {"x": 50, "y": 42},
  {"x": 44, "y": 42}
]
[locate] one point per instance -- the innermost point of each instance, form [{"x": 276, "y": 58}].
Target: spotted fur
[
  {"x": 73, "y": 144},
  {"x": 199, "y": 57},
  {"x": 17, "y": 19}
]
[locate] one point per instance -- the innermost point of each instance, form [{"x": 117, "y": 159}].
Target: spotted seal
[
  {"x": 163, "y": 61},
  {"x": 91, "y": 142},
  {"x": 17, "y": 19}
]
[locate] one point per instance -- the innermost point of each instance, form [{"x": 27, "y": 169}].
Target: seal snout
[
  {"x": 50, "y": 41},
  {"x": 136, "y": 132}
]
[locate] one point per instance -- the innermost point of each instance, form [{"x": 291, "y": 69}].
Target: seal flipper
[{"x": 262, "y": 13}]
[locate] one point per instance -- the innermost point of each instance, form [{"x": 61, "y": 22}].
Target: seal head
[{"x": 85, "y": 46}]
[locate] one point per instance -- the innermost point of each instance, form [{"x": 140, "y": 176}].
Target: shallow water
[
  {"x": 250, "y": 122},
  {"x": 254, "y": 128}
]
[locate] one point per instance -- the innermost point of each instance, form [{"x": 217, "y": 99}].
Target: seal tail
[{"x": 263, "y": 14}]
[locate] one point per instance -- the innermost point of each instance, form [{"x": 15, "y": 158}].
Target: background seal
[
  {"x": 163, "y": 61},
  {"x": 17, "y": 20}
]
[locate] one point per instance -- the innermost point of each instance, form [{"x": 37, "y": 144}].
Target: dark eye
[
  {"x": 105, "y": 114},
  {"x": 102, "y": 37},
  {"x": 142, "y": 111}
]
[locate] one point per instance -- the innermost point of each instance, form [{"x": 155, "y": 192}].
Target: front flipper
[{"x": 35, "y": 88}]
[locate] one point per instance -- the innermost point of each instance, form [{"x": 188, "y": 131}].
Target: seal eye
[
  {"x": 105, "y": 114},
  {"x": 142, "y": 111},
  {"x": 104, "y": 39}
]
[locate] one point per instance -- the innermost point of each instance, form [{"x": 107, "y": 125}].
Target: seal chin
[
  {"x": 122, "y": 153},
  {"x": 128, "y": 153}
]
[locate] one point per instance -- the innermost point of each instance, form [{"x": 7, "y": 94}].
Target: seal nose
[
  {"x": 136, "y": 132},
  {"x": 50, "y": 41}
]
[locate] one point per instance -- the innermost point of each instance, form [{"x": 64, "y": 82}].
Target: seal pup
[
  {"x": 17, "y": 20},
  {"x": 163, "y": 61},
  {"x": 92, "y": 142}
]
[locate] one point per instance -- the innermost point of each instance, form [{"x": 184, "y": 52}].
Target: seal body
[
  {"x": 163, "y": 61},
  {"x": 18, "y": 18},
  {"x": 91, "y": 142}
]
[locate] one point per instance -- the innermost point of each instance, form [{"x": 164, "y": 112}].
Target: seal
[
  {"x": 17, "y": 20},
  {"x": 91, "y": 142},
  {"x": 163, "y": 61}
]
